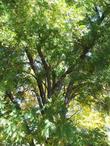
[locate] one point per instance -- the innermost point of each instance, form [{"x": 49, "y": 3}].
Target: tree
[{"x": 53, "y": 54}]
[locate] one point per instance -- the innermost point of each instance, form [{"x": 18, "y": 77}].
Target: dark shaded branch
[
  {"x": 11, "y": 97},
  {"x": 53, "y": 78},
  {"x": 47, "y": 71},
  {"x": 58, "y": 85},
  {"x": 39, "y": 101},
  {"x": 68, "y": 92},
  {"x": 39, "y": 81}
]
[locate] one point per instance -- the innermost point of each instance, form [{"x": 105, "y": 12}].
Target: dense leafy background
[{"x": 54, "y": 72}]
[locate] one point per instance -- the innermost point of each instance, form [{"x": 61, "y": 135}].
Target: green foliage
[{"x": 55, "y": 57}]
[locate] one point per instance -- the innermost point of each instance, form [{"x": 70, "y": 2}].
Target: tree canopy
[{"x": 54, "y": 72}]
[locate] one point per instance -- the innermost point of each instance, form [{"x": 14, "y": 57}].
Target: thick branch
[
  {"x": 47, "y": 70},
  {"x": 39, "y": 82},
  {"x": 11, "y": 97},
  {"x": 58, "y": 84},
  {"x": 68, "y": 92},
  {"x": 39, "y": 101}
]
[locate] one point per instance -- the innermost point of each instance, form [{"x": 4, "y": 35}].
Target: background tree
[{"x": 54, "y": 70}]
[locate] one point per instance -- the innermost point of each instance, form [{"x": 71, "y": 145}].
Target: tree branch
[
  {"x": 85, "y": 48},
  {"x": 68, "y": 92},
  {"x": 39, "y": 82},
  {"x": 47, "y": 70}
]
